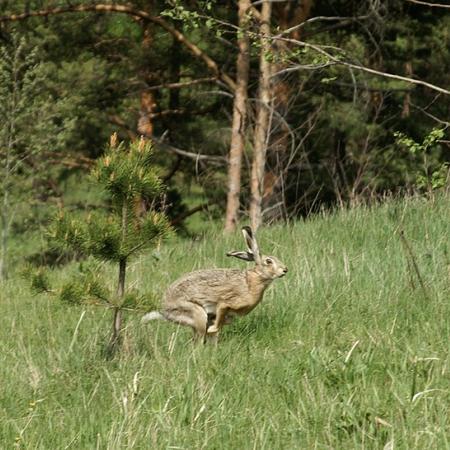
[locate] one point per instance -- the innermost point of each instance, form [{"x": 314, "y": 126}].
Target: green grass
[{"x": 347, "y": 351}]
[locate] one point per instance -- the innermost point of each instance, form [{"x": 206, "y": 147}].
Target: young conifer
[{"x": 129, "y": 179}]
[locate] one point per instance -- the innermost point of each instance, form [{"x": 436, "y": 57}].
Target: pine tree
[
  {"x": 26, "y": 131},
  {"x": 128, "y": 178}
]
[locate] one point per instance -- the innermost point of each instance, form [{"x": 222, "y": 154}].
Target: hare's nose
[{"x": 285, "y": 270}]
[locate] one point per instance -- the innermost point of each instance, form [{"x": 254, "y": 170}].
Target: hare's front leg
[{"x": 221, "y": 313}]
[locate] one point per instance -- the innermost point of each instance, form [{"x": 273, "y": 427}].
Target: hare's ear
[
  {"x": 252, "y": 245},
  {"x": 246, "y": 256}
]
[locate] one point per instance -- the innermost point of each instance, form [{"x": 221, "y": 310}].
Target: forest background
[{"x": 270, "y": 110}]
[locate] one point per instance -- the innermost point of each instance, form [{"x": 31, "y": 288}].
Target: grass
[{"x": 347, "y": 351}]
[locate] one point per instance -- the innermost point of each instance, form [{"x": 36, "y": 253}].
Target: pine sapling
[{"x": 129, "y": 179}]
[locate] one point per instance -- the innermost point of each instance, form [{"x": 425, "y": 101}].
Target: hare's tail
[{"x": 153, "y": 315}]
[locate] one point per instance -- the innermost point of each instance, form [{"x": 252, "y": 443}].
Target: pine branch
[
  {"x": 135, "y": 248},
  {"x": 123, "y": 9}
]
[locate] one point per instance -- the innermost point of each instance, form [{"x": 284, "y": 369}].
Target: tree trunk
[
  {"x": 116, "y": 337},
  {"x": 406, "y": 110},
  {"x": 262, "y": 119},
  {"x": 239, "y": 118},
  {"x": 147, "y": 99},
  {"x": 148, "y": 107},
  {"x": 286, "y": 15}
]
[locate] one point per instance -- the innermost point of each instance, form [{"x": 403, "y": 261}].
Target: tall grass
[{"x": 347, "y": 351}]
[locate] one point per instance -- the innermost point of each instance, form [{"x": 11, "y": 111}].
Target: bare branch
[
  {"x": 431, "y": 116},
  {"x": 123, "y": 9},
  {"x": 180, "y": 112},
  {"x": 182, "y": 84},
  {"x": 302, "y": 67},
  {"x": 364, "y": 87},
  {"x": 322, "y": 18},
  {"x": 338, "y": 60},
  {"x": 169, "y": 112},
  {"x": 432, "y": 5},
  {"x": 195, "y": 156}
]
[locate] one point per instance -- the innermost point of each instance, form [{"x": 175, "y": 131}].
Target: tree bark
[
  {"x": 287, "y": 15},
  {"x": 148, "y": 107},
  {"x": 262, "y": 119},
  {"x": 116, "y": 334},
  {"x": 406, "y": 110},
  {"x": 237, "y": 145},
  {"x": 116, "y": 338},
  {"x": 148, "y": 103}
]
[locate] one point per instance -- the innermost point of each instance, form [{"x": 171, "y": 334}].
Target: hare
[{"x": 205, "y": 300}]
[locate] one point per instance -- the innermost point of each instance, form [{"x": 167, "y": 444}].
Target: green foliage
[
  {"x": 120, "y": 26},
  {"x": 433, "y": 174},
  {"x": 127, "y": 175},
  {"x": 38, "y": 279},
  {"x": 415, "y": 148},
  {"x": 26, "y": 131},
  {"x": 141, "y": 301},
  {"x": 190, "y": 19},
  {"x": 37, "y": 110},
  {"x": 73, "y": 293},
  {"x": 97, "y": 235},
  {"x": 179, "y": 12},
  {"x": 128, "y": 179},
  {"x": 86, "y": 287}
]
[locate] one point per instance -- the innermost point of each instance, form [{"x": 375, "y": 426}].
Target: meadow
[{"x": 349, "y": 350}]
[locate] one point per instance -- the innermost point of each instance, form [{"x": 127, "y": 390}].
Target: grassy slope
[{"x": 343, "y": 352}]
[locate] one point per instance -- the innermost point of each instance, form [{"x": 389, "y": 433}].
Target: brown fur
[{"x": 205, "y": 300}]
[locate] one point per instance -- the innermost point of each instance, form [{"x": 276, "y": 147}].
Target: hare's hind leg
[
  {"x": 200, "y": 323},
  {"x": 191, "y": 315}
]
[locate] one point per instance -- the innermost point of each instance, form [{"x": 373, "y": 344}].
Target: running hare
[{"x": 207, "y": 299}]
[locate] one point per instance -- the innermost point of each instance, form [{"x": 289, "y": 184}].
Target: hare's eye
[{"x": 268, "y": 261}]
